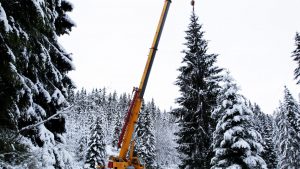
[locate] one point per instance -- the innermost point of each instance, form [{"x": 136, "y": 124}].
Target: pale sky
[{"x": 254, "y": 40}]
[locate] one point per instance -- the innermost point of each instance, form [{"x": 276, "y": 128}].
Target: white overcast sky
[{"x": 254, "y": 40}]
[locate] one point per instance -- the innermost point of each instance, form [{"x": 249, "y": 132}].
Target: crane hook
[{"x": 192, "y": 2}]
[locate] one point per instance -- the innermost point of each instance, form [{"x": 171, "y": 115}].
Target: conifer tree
[
  {"x": 269, "y": 154},
  {"x": 263, "y": 123},
  {"x": 198, "y": 85},
  {"x": 145, "y": 140},
  {"x": 165, "y": 128},
  {"x": 34, "y": 83},
  {"x": 296, "y": 57},
  {"x": 287, "y": 139},
  {"x": 81, "y": 151},
  {"x": 117, "y": 129},
  {"x": 292, "y": 110},
  {"x": 123, "y": 104},
  {"x": 258, "y": 117},
  {"x": 96, "y": 152},
  {"x": 112, "y": 115},
  {"x": 236, "y": 143}
]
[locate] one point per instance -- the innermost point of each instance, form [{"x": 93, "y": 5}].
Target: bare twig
[
  {"x": 44, "y": 121},
  {"x": 39, "y": 123}
]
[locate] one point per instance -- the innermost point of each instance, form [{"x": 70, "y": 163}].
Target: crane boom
[
  {"x": 153, "y": 48},
  {"x": 133, "y": 112},
  {"x": 141, "y": 90}
]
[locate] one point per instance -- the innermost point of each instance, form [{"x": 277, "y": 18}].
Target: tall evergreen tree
[
  {"x": 286, "y": 136},
  {"x": 112, "y": 115},
  {"x": 258, "y": 117},
  {"x": 292, "y": 110},
  {"x": 269, "y": 154},
  {"x": 33, "y": 72},
  {"x": 236, "y": 143},
  {"x": 165, "y": 128},
  {"x": 296, "y": 57},
  {"x": 117, "y": 129},
  {"x": 198, "y": 85},
  {"x": 263, "y": 123},
  {"x": 145, "y": 140},
  {"x": 123, "y": 104},
  {"x": 96, "y": 153}
]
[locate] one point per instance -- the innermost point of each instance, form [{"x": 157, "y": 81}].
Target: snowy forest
[{"x": 46, "y": 122}]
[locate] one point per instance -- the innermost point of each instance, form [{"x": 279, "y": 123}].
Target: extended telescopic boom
[
  {"x": 136, "y": 103},
  {"x": 121, "y": 162}
]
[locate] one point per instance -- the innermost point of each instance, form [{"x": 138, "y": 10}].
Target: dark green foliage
[
  {"x": 117, "y": 129},
  {"x": 269, "y": 153},
  {"x": 33, "y": 65},
  {"x": 12, "y": 150},
  {"x": 198, "y": 85},
  {"x": 287, "y": 139},
  {"x": 292, "y": 110},
  {"x": 33, "y": 69},
  {"x": 145, "y": 140},
  {"x": 236, "y": 143},
  {"x": 296, "y": 57},
  {"x": 80, "y": 153},
  {"x": 62, "y": 23},
  {"x": 96, "y": 152},
  {"x": 263, "y": 123}
]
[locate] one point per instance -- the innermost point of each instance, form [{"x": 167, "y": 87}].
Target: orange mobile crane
[{"x": 121, "y": 161}]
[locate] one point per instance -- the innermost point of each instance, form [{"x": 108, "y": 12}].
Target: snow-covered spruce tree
[
  {"x": 235, "y": 142},
  {"x": 96, "y": 152},
  {"x": 86, "y": 109},
  {"x": 81, "y": 148},
  {"x": 296, "y": 57},
  {"x": 33, "y": 73},
  {"x": 269, "y": 154},
  {"x": 263, "y": 123},
  {"x": 287, "y": 139},
  {"x": 258, "y": 117},
  {"x": 121, "y": 110},
  {"x": 117, "y": 129},
  {"x": 123, "y": 104},
  {"x": 198, "y": 85},
  {"x": 112, "y": 107},
  {"x": 111, "y": 114},
  {"x": 145, "y": 140},
  {"x": 292, "y": 110},
  {"x": 166, "y": 154}
]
